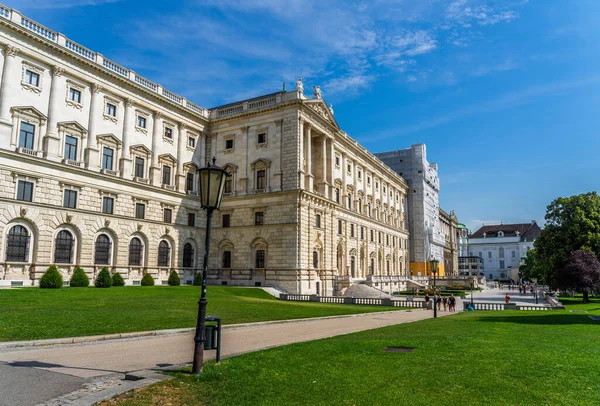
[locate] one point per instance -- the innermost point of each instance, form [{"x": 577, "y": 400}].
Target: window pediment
[
  {"x": 190, "y": 167},
  {"x": 109, "y": 139},
  {"x": 140, "y": 149},
  {"x": 29, "y": 112},
  {"x": 167, "y": 158},
  {"x": 260, "y": 163},
  {"x": 72, "y": 126}
]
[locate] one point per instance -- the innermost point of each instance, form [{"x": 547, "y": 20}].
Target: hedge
[
  {"x": 147, "y": 280},
  {"x": 174, "y": 279},
  {"x": 117, "y": 280},
  {"x": 79, "y": 279},
  {"x": 52, "y": 279},
  {"x": 103, "y": 280}
]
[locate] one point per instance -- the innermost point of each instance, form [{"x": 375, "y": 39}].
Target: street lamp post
[
  {"x": 472, "y": 284},
  {"x": 434, "y": 268},
  {"x": 212, "y": 182}
]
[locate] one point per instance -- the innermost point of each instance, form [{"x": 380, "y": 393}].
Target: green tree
[
  {"x": 79, "y": 279},
  {"x": 581, "y": 272},
  {"x": 198, "y": 279},
  {"x": 174, "y": 279},
  {"x": 147, "y": 280},
  {"x": 103, "y": 280},
  {"x": 117, "y": 280},
  {"x": 52, "y": 279},
  {"x": 572, "y": 223}
]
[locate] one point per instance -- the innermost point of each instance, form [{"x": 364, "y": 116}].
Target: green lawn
[
  {"x": 33, "y": 313},
  {"x": 481, "y": 358}
]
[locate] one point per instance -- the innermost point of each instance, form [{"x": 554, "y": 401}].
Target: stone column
[
  {"x": 10, "y": 82},
  {"x": 51, "y": 140},
  {"x": 343, "y": 200},
  {"x": 181, "y": 147},
  {"x": 309, "y": 172},
  {"x": 156, "y": 137},
  {"x": 324, "y": 184},
  {"x": 91, "y": 152},
  {"x": 127, "y": 134},
  {"x": 302, "y": 159}
]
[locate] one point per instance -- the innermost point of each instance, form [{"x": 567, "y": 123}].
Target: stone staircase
[{"x": 364, "y": 291}]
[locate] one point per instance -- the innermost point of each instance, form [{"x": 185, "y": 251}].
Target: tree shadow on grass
[{"x": 546, "y": 319}]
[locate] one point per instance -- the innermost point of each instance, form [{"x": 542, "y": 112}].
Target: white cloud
[{"x": 462, "y": 12}]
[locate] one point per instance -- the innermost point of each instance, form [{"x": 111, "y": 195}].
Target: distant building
[
  {"x": 448, "y": 224},
  {"x": 427, "y": 240},
  {"x": 502, "y": 246}
]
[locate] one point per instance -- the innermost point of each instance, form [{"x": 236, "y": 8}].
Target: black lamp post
[
  {"x": 212, "y": 182},
  {"x": 472, "y": 284},
  {"x": 434, "y": 268}
]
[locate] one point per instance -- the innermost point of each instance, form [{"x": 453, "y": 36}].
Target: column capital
[
  {"x": 183, "y": 126},
  {"x": 308, "y": 125},
  {"x": 10, "y": 50},
  {"x": 96, "y": 87},
  {"x": 244, "y": 128},
  {"x": 157, "y": 115},
  {"x": 57, "y": 70},
  {"x": 129, "y": 102}
]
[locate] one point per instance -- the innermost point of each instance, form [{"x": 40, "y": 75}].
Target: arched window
[
  {"x": 63, "y": 247},
  {"x": 102, "y": 250},
  {"x": 17, "y": 247},
  {"x": 188, "y": 255},
  {"x": 135, "y": 252},
  {"x": 164, "y": 251}
]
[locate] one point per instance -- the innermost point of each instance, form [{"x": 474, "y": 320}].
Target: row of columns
[{"x": 307, "y": 175}]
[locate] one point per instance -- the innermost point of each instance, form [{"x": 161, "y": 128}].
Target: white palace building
[{"x": 98, "y": 168}]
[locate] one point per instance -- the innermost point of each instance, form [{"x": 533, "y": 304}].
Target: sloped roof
[{"x": 527, "y": 231}]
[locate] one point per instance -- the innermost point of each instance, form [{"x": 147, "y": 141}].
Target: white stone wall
[{"x": 490, "y": 250}]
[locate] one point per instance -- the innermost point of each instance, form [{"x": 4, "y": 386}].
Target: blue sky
[{"x": 504, "y": 93}]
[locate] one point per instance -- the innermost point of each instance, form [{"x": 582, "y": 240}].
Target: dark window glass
[
  {"x": 192, "y": 219},
  {"x": 140, "y": 210},
  {"x": 135, "y": 252},
  {"x": 70, "y": 199},
  {"x": 108, "y": 205},
  {"x": 262, "y": 138},
  {"x": 141, "y": 122},
  {"x": 71, "y": 148},
  {"x": 189, "y": 182},
  {"x": 315, "y": 259},
  {"x": 362, "y": 233},
  {"x": 337, "y": 195},
  {"x": 164, "y": 251},
  {"x": 191, "y": 142},
  {"x": 258, "y": 218},
  {"x": 63, "y": 249},
  {"x": 107, "y": 158},
  {"x": 188, "y": 255},
  {"x": 111, "y": 110},
  {"x": 17, "y": 246},
  {"x": 318, "y": 220},
  {"x": 260, "y": 179},
  {"x": 351, "y": 230},
  {"x": 75, "y": 95},
  {"x": 260, "y": 258},
  {"x": 139, "y": 167},
  {"x": 228, "y": 144},
  {"x": 228, "y": 185},
  {"x": 167, "y": 215},
  {"x": 226, "y": 259},
  {"x": 349, "y": 201},
  {"x": 226, "y": 220},
  {"x": 26, "y": 136},
  {"x": 25, "y": 191},
  {"x": 102, "y": 250},
  {"x": 339, "y": 226},
  {"x": 371, "y": 235},
  {"x": 166, "y": 179},
  {"x": 32, "y": 78},
  {"x": 168, "y": 133}
]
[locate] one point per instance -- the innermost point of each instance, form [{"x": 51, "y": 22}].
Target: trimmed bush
[
  {"x": 198, "y": 279},
  {"x": 147, "y": 280},
  {"x": 103, "y": 279},
  {"x": 174, "y": 279},
  {"x": 117, "y": 280},
  {"x": 79, "y": 279},
  {"x": 52, "y": 279}
]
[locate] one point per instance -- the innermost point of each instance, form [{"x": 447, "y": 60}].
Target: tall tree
[
  {"x": 572, "y": 223},
  {"x": 581, "y": 271}
]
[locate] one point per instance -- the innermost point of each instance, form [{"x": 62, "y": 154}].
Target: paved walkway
[
  {"x": 36, "y": 375},
  {"x": 497, "y": 296}
]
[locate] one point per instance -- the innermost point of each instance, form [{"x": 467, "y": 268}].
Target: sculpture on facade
[
  {"x": 317, "y": 92},
  {"x": 331, "y": 109},
  {"x": 299, "y": 85}
]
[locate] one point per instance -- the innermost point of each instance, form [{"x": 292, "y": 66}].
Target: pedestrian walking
[
  {"x": 439, "y": 303},
  {"x": 506, "y": 298},
  {"x": 452, "y": 304},
  {"x": 427, "y": 300},
  {"x": 445, "y": 303}
]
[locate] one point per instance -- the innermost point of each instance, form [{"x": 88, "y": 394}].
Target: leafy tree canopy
[{"x": 581, "y": 271}]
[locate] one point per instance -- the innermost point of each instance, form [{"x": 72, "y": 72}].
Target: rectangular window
[
  {"x": 111, "y": 110},
  {"x": 140, "y": 211},
  {"x": 362, "y": 233},
  {"x": 359, "y": 174},
  {"x": 226, "y": 220},
  {"x": 229, "y": 144},
  {"x": 351, "y": 230},
  {"x": 262, "y": 138},
  {"x": 226, "y": 259},
  {"x": 387, "y": 240},
  {"x": 141, "y": 122},
  {"x": 25, "y": 191},
  {"x": 260, "y": 179},
  {"x": 108, "y": 205},
  {"x": 70, "y": 199},
  {"x": 501, "y": 264},
  {"x": 192, "y": 219},
  {"x": 107, "y": 158},
  {"x": 139, "y": 167},
  {"x": 318, "y": 220},
  {"x": 191, "y": 142},
  {"x": 258, "y": 218},
  {"x": 166, "y": 175},
  {"x": 26, "y": 136},
  {"x": 379, "y": 237},
  {"x": 339, "y": 226},
  {"x": 32, "y": 78},
  {"x": 337, "y": 195},
  {"x": 189, "y": 182},
  {"x": 260, "y": 258},
  {"x": 490, "y": 254},
  {"x": 337, "y": 160},
  {"x": 71, "y": 148},
  {"x": 349, "y": 167},
  {"x": 228, "y": 185},
  {"x": 75, "y": 95},
  {"x": 371, "y": 235},
  {"x": 514, "y": 254},
  {"x": 480, "y": 254},
  {"x": 167, "y": 215},
  {"x": 168, "y": 133},
  {"x": 349, "y": 202}
]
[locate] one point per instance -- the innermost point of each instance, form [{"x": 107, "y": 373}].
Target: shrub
[
  {"x": 52, "y": 279},
  {"x": 103, "y": 279},
  {"x": 174, "y": 279},
  {"x": 198, "y": 279},
  {"x": 147, "y": 280},
  {"x": 79, "y": 279},
  {"x": 117, "y": 280}
]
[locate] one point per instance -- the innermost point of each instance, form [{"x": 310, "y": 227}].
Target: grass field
[
  {"x": 33, "y": 313},
  {"x": 481, "y": 358}
]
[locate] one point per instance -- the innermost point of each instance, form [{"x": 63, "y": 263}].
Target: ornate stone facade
[{"x": 98, "y": 168}]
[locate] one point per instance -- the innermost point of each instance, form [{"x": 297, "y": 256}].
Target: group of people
[
  {"x": 449, "y": 303},
  {"x": 523, "y": 288}
]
